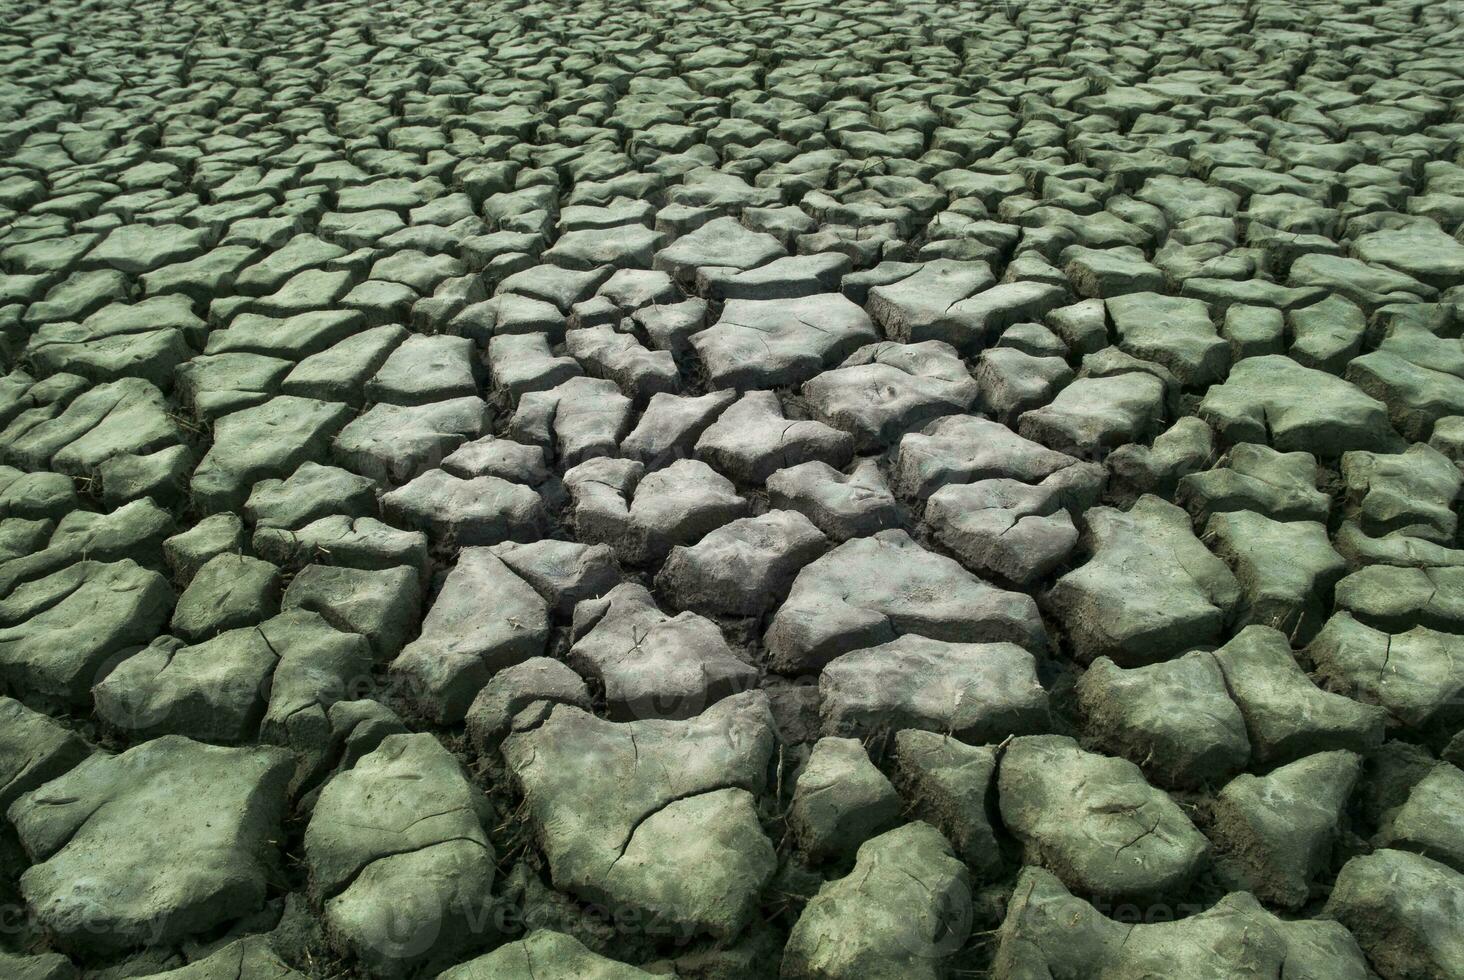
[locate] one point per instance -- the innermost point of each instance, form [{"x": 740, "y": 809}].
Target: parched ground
[{"x": 731, "y": 490}]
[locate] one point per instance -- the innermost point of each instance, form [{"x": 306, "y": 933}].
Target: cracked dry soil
[{"x": 512, "y": 490}]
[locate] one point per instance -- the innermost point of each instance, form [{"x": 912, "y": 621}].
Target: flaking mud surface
[{"x": 731, "y": 490}]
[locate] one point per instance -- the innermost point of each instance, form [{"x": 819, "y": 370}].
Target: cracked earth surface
[{"x": 862, "y": 491}]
